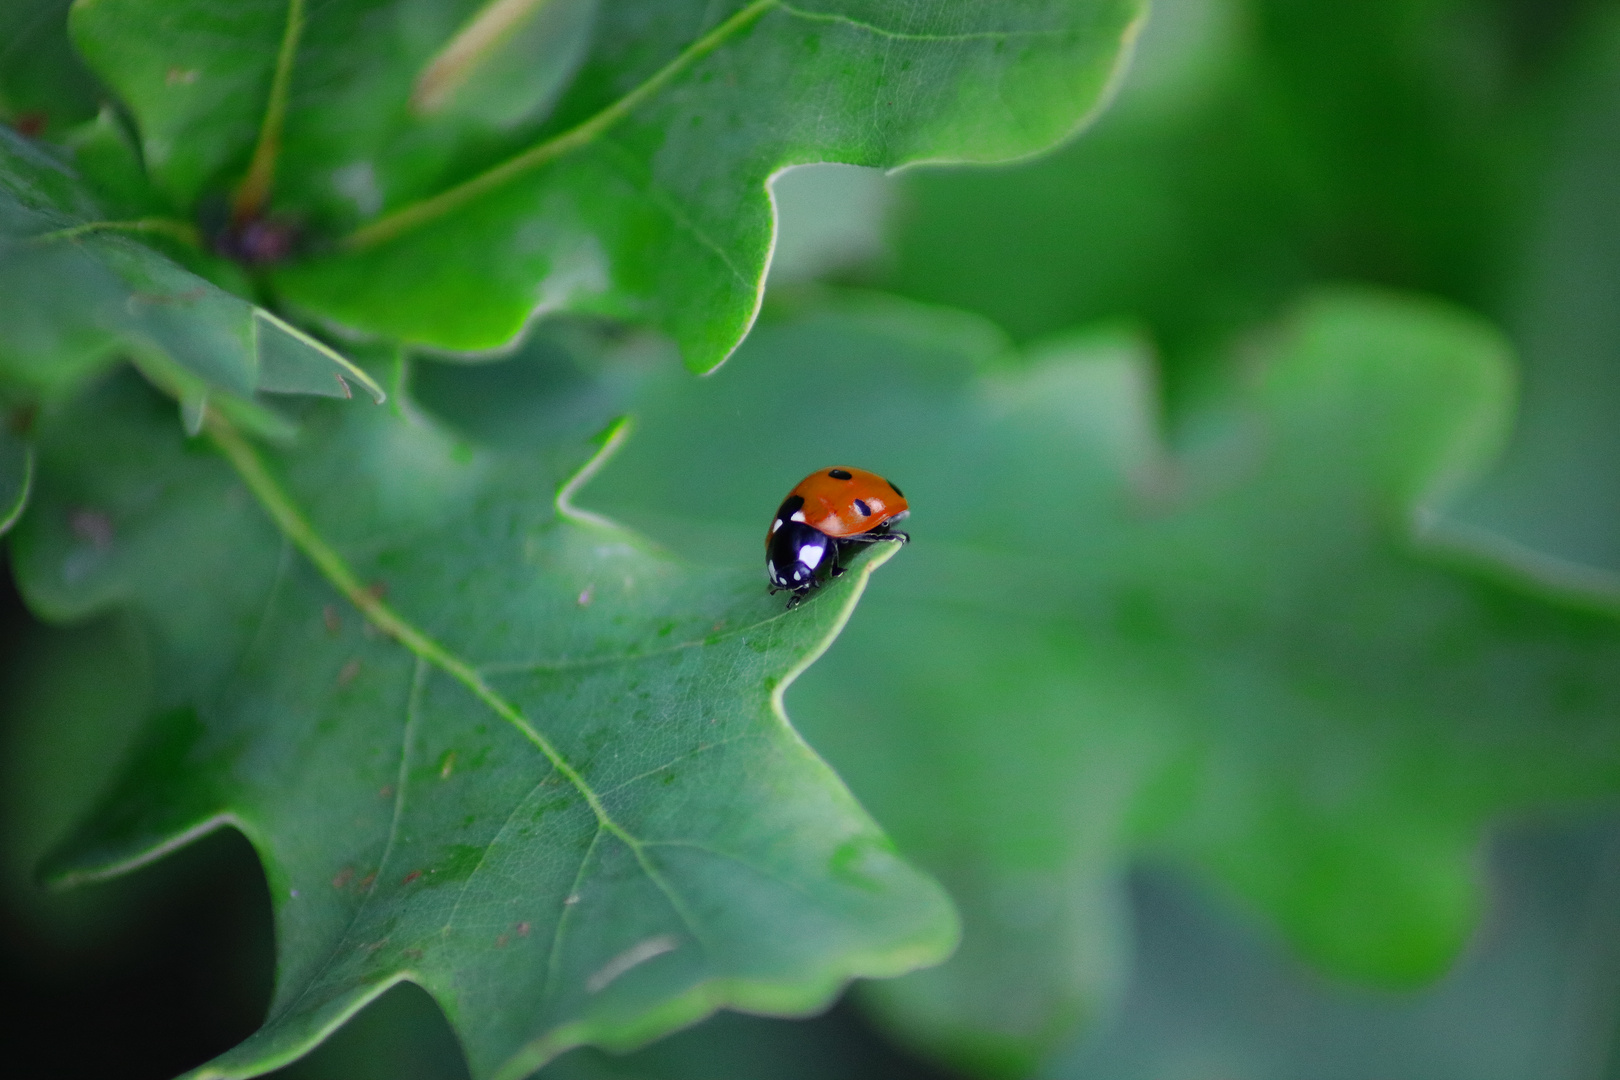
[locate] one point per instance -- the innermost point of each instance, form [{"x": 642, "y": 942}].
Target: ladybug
[{"x": 825, "y": 516}]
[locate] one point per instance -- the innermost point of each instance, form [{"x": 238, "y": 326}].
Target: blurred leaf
[
  {"x": 1241, "y": 657},
  {"x": 1214, "y": 995},
  {"x": 1177, "y": 215},
  {"x": 73, "y": 698},
  {"x": 76, "y": 295},
  {"x": 44, "y": 86},
  {"x": 1257, "y": 147},
  {"x": 640, "y": 194},
  {"x": 1554, "y": 499},
  {"x": 558, "y": 791},
  {"x": 105, "y": 155}
]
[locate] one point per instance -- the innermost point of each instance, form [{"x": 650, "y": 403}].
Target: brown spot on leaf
[
  {"x": 344, "y": 876},
  {"x": 523, "y": 929},
  {"x": 31, "y": 124},
  {"x": 333, "y": 620},
  {"x": 500, "y": 942},
  {"x": 412, "y": 876},
  {"x": 350, "y": 670},
  {"x": 178, "y": 76},
  {"x": 365, "y": 882}
]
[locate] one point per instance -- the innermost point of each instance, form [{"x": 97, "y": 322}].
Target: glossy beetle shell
[{"x": 842, "y": 501}]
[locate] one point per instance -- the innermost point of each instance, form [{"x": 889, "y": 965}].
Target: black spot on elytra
[
  {"x": 862, "y": 509},
  {"x": 895, "y": 488},
  {"x": 839, "y": 474}
]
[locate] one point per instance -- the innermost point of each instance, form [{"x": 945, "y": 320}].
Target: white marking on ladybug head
[
  {"x": 798, "y": 515},
  {"x": 810, "y": 555},
  {"x": 777, "y": 524}
]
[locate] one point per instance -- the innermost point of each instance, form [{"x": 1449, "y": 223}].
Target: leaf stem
[
  {"x": 175, "y": 229},
  {"x": 420, "y": 213},
  {"x": 254, "y": 191},
  {"x": 297, "y": 528}
]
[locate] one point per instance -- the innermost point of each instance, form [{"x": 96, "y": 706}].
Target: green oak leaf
[
  {"x": 440, "y": 216},
  {"x": 77, "y": 294},
  {"x": 548, "y": 778},
  {"x": 1242, "y": 655}
]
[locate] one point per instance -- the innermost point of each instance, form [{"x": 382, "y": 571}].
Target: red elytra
[{"x": 845, "y": 501}]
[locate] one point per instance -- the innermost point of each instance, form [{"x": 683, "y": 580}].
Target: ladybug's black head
[{"x": 798, "y": 556}]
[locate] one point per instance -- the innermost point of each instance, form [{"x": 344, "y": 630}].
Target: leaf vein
[
  {"x": 511, "y": 816},
  {"x": 568, "y": 901},
  {"x": 519, "y": 667},
  {"x": 407, "y": 731},
  {"x": 291, "y": 521},
  {"x": 739, "y": 860},
  {"x": 417, "y": 214},
  {"x": 687, "y": 756},
  {"x": 666, "y": 202},
  {"x": 901, "y": 35}
]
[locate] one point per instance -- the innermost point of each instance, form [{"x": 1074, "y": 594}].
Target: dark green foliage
[{"x": 1236, "y": 562}]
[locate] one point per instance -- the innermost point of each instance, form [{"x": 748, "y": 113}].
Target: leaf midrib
[
  {"x": 421, "y": 212},
  {"x": 287, "y": 516},
  {"x": 254, "y": 191}
]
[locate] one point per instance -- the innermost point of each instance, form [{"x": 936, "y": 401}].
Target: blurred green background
[{"x": 1466, "y": 150}]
